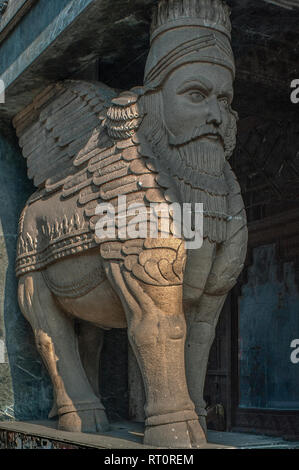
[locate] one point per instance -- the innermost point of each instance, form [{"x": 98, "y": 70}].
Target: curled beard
[
  {"x": 198, "y": 164},
  {"x": 197, "y": 169}
]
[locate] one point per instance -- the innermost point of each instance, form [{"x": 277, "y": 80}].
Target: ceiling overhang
[{"x": 42, "y": 42}]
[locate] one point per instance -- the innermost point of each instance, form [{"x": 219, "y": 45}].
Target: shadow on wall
[{"x": 25, "y": 389}]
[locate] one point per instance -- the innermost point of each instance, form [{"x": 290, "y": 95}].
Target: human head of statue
[{"x": 189, "y": 74}]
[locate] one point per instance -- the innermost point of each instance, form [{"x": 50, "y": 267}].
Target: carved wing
[
  {"x": 61, "y": 127},
  {"x": 127, "y": 167},
  {"x": 84, "y": 154},
  {"x": 84, "y": 160}
]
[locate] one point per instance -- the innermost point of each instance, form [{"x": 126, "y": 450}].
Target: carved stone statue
[{"x": 168, "y": 142}]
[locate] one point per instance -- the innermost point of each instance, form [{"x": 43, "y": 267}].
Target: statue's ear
[
  {"x": 125, "y": 115},
  {"x": 234, "y": 113},
  {"x": 230, "y": 138}
]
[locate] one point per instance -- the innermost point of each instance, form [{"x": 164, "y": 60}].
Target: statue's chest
[{"x": 198, "y": 267}]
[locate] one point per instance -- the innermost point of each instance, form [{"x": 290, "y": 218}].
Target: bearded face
[
  {"x": 197, "y": 97},
  {"x": 193, "y": 113},
  {"x": 192, "y": 130}
]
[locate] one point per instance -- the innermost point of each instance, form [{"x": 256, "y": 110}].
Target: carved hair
[{"x": 213, "y": 12}]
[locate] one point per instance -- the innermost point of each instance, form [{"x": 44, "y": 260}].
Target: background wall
[
  {"x": 25, "y": 391},
  {"x": 269, "y": 321}
]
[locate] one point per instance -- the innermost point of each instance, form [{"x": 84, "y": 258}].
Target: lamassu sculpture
[{"x": 165, "y": 142}]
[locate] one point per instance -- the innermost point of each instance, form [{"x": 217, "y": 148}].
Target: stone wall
[{"x": 25, "y": 391}]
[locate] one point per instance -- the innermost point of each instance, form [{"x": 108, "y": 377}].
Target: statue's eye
[
  {"x": 223, "y": 100},
  {"x": 195, "y": 96}
]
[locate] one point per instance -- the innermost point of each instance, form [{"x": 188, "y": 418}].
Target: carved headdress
[{"x": 186, "y": 31}]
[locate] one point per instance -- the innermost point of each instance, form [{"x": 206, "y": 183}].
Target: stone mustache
[{"x": 164, "y": 142}]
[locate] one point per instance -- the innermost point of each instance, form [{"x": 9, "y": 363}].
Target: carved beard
[
  {"x": 201, "y": 157},
  {"x": 195, "y": 163},
  {"x": 188, "y": 152},
  {"x": 197, "y": 169}
]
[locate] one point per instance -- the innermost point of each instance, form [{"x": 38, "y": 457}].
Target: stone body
[{"x": 166, "y": 142}]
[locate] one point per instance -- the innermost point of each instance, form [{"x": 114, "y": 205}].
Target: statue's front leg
[
  {"x": 202, "y": 321},
  {"x": 150, "y": 288},
  {"x": 202, "y": 318}
]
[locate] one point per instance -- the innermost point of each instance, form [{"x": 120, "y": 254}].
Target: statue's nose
[{"x": 214, "y": 112}]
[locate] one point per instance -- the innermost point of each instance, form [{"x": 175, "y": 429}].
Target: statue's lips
[{"x": 214, "y": 137}]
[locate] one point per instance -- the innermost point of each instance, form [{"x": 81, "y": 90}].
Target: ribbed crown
[{"x": 209, "y": 13}]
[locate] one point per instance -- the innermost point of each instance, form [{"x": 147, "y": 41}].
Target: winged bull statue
[{"x": 166, "y": 142}]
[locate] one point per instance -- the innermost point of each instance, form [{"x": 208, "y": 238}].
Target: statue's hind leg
[
  {"x": 150, "y": 287},
  {"x": 90, "y": 341},
  {"x": 79, "y": 409}
]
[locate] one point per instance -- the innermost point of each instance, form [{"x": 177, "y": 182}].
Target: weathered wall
[
  {"x": 268, "y": 322},
  {"x": 24, "y": 386}
]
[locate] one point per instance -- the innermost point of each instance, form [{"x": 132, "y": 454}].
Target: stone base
[{"x": 44, "y": 435}]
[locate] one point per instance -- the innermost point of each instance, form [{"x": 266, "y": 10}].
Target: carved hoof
[
  {"x": 183, "y": 435},
  {"x": 89, "y": 421}
]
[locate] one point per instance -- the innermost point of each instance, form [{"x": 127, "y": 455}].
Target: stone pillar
[
  {"x": 6, "y": 392},
  {"x": 25, "y": 391}
]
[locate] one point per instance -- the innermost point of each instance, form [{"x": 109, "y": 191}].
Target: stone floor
[
  {"x": 134, "y": 432},
  {"x": 250, "y": 441},
  {"x": 125, "y": 435}
]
